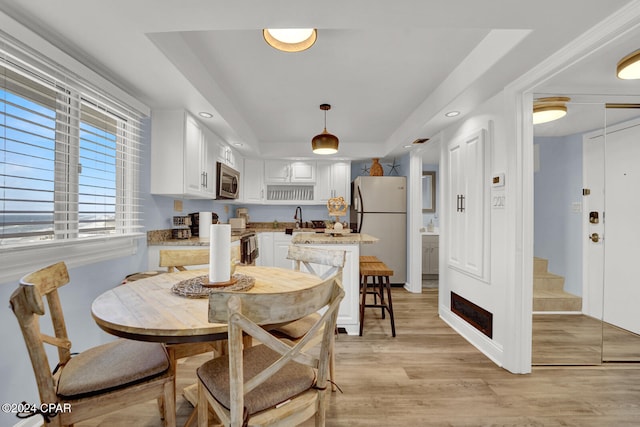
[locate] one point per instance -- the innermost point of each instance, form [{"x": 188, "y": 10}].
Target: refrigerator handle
[{"x": 359, "y": 209}]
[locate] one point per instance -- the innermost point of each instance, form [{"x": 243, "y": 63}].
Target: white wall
[{"x": 490, "y": 295}]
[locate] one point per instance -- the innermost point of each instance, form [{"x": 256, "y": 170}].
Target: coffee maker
[{"x": 195, "y": 222}]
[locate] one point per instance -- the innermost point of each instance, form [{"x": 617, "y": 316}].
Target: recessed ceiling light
[
  {"x": 238, "y": 144},
  {"x": 452, "y": 113},
  {"x": 407, "y": 146},
  {"x": 205, "y": 114},
  {"x": 629, "y": 66},
  {"x": 290, "y": 39}
]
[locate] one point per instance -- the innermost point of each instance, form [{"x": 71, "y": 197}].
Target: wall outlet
[{"x": 177, "y": 205}]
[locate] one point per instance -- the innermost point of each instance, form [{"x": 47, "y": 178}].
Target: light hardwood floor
[{"x": 430, "y": 376}]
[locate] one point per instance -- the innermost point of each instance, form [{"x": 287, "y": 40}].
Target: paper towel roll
[
  {"x": 220, "y": 253},
  {"x": 204, "y": 225}
]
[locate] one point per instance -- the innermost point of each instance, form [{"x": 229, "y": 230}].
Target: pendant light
[
  {"x": 549, "y": 109},
  {"x": 629, "y": 66},
  {"x": 325, "y": 143}
]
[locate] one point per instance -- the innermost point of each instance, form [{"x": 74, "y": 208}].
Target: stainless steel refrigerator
[{"x": 380, "y": 210}]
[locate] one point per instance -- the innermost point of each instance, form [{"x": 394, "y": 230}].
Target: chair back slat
[
  {"x": 181, "y": 258},
  {"x": 266, "y": 309},
  {"x": 312, "y": 258}
]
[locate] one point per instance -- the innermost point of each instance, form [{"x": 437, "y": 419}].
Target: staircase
[{"x": 548, "y": 290}]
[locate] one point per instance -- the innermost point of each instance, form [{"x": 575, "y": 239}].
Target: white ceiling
[{"x": 390, "y": 69}]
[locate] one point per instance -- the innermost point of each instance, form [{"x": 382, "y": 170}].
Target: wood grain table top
[{"x": 147, "y": 309}]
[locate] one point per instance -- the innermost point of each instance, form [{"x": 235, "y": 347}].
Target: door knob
[{"x": 594, "y": 237}]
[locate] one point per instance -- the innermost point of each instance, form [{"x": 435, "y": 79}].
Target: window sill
[{"x": 18, "y": 261}]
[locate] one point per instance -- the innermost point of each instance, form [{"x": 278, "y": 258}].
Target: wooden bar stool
[{"x": 380, "y": 274}]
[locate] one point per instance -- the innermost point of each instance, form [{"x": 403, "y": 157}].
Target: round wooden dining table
[{"x": 147, "y": 309}]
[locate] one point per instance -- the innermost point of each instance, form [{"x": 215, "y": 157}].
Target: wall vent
[{"x": 474, "y": 315}]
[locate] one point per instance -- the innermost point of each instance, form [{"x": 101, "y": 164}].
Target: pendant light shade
[
  {"x": 549, "y": 109},
  {"x": 629, "y": 66},
  {"x": 325, "y": 143}
]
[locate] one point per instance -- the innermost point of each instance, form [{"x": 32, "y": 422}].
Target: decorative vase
[{"x": 376, "y": 168}]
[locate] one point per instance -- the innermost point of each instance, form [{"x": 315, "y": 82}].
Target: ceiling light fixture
[
  {"x": 629, "y": 66},
  {"x": 205, "y": 114},
  {"x": 549, "y": 109},
  {"x": 452, "y": 113},
  {"x": 325, "y": 143},
  {"x": 290, "y": 39}
]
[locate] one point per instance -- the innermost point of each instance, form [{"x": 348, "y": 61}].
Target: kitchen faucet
[{"x": 298, "y": 217}]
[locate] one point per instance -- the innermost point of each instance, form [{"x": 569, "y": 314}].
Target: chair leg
[
  {"x": 380, "y": 290},
  {"x": 363, "y": 295},
  {"x": 332, "y": 366},
  {"x": 390, "y": 306},
  {"x": 202, "y": 407},
  {"x": 169, "y": 404}
]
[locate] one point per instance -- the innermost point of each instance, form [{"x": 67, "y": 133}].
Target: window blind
[{"x": 69, "y": 154}]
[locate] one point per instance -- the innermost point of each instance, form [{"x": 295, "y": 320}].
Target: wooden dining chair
[
  {"x": 273, "y": 383},
  {"x": 96, "y": 381},
  {"x": 321, "y": 262}
]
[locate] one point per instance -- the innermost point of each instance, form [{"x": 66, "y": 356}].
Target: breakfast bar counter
[{"x": 330, "y": 239}]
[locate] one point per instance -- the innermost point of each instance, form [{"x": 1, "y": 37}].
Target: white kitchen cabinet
[
  {"x": 265, "y": 249},
  {"x": 182, "y": 156},
  {"x": 468, "y": 202},
  {"x": 281, "y": 243},
  {"x": 253, "y": 181},
  {"x": 274, "y": 247},
  {"x": 227, "y": 156},
  {"x": 333, "y": 180},
  {"x": 430, "y": 254},
  {"x": 289, "y": 172}
]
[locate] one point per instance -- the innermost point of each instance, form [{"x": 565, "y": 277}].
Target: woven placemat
[{"x": 192, "y": 288}]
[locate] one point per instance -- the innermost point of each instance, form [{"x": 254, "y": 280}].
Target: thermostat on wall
[{"x": 498, "y": 180}]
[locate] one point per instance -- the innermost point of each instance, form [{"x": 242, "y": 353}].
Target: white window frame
[{"x": 16, "y": 259}]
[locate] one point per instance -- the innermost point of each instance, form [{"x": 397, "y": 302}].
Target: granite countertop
[
  {"x": 328, "y": 239},
  {"x": 164, "y": 237}
]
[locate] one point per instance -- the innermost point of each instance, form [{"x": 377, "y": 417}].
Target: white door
[
  {"x": 610, "y": 273},
  {"x": 622, "y": 243}
]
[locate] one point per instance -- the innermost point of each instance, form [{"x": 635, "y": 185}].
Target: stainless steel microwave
[{"x": 227, "y": 183}]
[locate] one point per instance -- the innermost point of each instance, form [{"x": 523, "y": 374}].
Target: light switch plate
[{"x": 177, "y": 205}]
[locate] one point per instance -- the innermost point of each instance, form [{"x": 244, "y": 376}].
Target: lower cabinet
[
  {"x": 273, "y": 248},
  {"x": 281, "y": 242},
  {"x": 430, "y": 254}
]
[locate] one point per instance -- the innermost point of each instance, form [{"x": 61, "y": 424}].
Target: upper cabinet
[
  {"x": 183, "y": 156},
  {"x": 333, "y": 180},
  {"x": 468, "y": 203},
  {"x": 253, "y": 181},
  {"x": 227, "y": 156},
  {"x": 300, "y": 182},
  {"x": 289, "y": 172}
]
